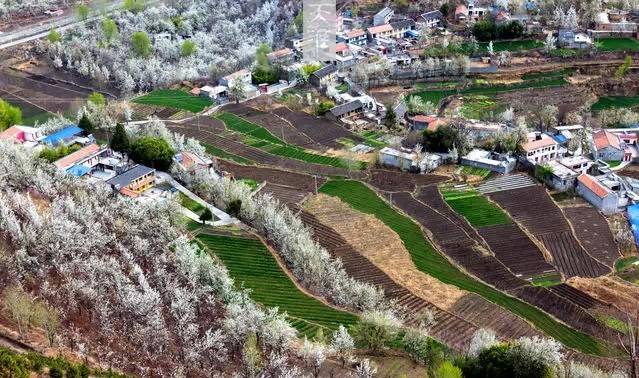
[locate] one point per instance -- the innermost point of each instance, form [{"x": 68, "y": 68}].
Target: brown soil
[
  {"x": 622, "y": 294},
  {"x": 383, "y": 247},
  {"x": 567, "y": 98}
]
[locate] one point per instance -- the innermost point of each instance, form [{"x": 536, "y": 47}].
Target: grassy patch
[
  {"x": 243, "y": 126},
  {"x": 608, "y": 102},
  {"x": 431, "y": 262},
  {"x": 212, "y": 150},
  {"x": 612, "y": 322},
  {"x": 250, "y": 183},
  {"x": 253, "y": 266},
  {"x": 342, "y": 88},
  {"x": 613, "y": 163},
  {"x": 546, "y": 280},
  {"x": 617, "y": 44},
  {"x": 175, "y": 99},
  {"x": 474, "y": 171},
  {"x": 476, "y": 208},
  {"x": 626, "y": 262},
  {"x": 258, "y": 137},
  {"x": 190, "y": 204},
  {"x": 480, "y": 107}
]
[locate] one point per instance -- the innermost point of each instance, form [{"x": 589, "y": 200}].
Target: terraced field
[
  {"x": 175, "y": 99},
  {"x": 546, "y": 222},
  {"x": 261, "y": 138},
  {"x": 250, "y": 263},
  {"x": 428, "y": 260},
  {"x": 594, "y": 233},
  {"x": 475, "y": 208}
]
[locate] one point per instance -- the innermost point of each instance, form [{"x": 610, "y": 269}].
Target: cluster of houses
[{"x": 98, "y": 164}]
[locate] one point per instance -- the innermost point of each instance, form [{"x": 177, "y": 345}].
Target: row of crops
[
  {"x": 430, "y": 261},
  {"x": 251, "y": 264},
  {"x": 259, "y": 137}
]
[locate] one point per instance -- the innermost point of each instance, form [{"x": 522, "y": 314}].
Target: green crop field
[
  {"x": 608, "y": 102},
  {"x": 617, "y": 44},
  {"x": 251, "y": 264},
  {"x": 474, "y": 171},
  {"x": 431, "y": 262},
  {"x": 435, "y": 96},
  {"x": 175, "y": 99},
  {"x": 258, "y": 137},
  {"x": 476, "y": 208},
  {"x": 243, "y": 126}
]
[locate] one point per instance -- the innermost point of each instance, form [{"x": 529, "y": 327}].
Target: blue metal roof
[
  {"x": 79, "y": 170},
  {"x": 561, "y": 139},
  {"x": 62, "y": 135}
]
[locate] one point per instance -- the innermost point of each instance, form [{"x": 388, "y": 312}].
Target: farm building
[
  {"x": 421, "y": 121},
  {"x": 401, "y": 28},
  {"x": 607, "y": 146},
  {"x": 133, "y": 182},
  {"x": 599, "y": 195},
  {"x": 540, "y": 148},
  {"x": 392, "y": 158},
  {"x": 381, "y": 31},
  {"x": 613, "y": 23},
  {"x": 383, "y": 17},
  {"x": 214, "y": 93},
  {"x": 494, "y": 162},
  {"x": 21, "y": 135}
]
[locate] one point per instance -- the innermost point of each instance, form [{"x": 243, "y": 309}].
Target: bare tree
[
  {"x": 630, "y": 344},
  {"x": 18, "y": 306}
]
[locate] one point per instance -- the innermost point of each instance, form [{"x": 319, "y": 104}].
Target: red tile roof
[
  {"x": 534, "y": 144},
  {"x": 604, "y": 138},
  {"x": 380, "y": 29},
  {"x": 12, "y": 133},
  {"x": 461, "y": 9},
  {"x": 341, "y": 47},
  {"x": 71, "y": 159},
  {"x": 423, "y": 118},
  {"x": 593, "y": 185},
  {"x": 355, "y": 33},
  {"x": 279, "y": 53}
]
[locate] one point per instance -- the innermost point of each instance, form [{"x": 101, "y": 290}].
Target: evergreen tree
[
  {"x": 86, "y": 124},
  {"x": 120, "y": 140}
]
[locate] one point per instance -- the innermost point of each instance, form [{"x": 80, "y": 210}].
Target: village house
[
  {"x": 461, "y": 13},
  {"x": 383, "y": 17},
  {"x": 69, "y": 135},
  {"x": 561, "y": 177},
  {"x": 295, "y": 42},
  {"x": 540, "y": 148},
  {"x": 242, "y": 75},
  {"x": 192, "y": 163},
  {"x": 215, "y": 93},
  {"x": 607, "y": 146},
  {"x": 28, "y": 136},
  {"x": 572, "y": 40},
  {"x": 579, "y": 164},
  {"x": 499, "y": 163},
  {"x": 393, "y": 158},
  {"x": 401, "y": 28},
  {"x": 343, "y": 55},
  {"x": 354, "y": 37},
  {"x": 134, "y": 181},
  {"x": 87, "y": 157},
  {"x": 430, "y": 19},
  {"x": 346, "y": 110},
  {"x": 324, "y": 76},
  {"x": 604, "y": 193},
  {"x": 381, "y": 31},
  {"x": 613, "y": 23},
  {"x": 282, "y": 57}
]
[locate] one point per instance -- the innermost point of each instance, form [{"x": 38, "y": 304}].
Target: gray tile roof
[
  {"x": 340, "y": 110},
  {"x": 325, "y": 71},
  {"x": 432, "y": 15},
  {"x": 124, "y": 179},
  {"x": 403, "y": 24}
]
